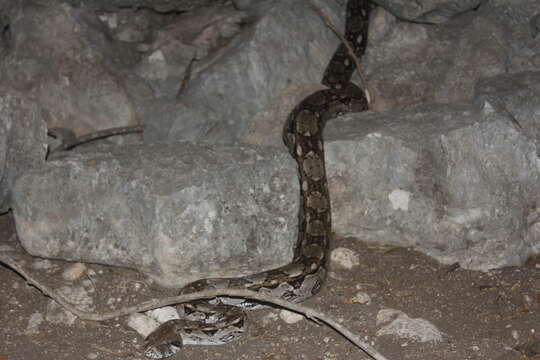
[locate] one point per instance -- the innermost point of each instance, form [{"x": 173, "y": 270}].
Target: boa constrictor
[{"x": 222, "y": 320}]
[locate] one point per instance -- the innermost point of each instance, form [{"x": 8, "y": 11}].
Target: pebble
[
  {"x": 399, "y": 324},
  {"x": 346, "y": 258},
  {"x": 290, "y": 317},
  {"x": 74, "y": 272},
  {"x": 361, "y": 298},
  {"x": 163, "y": 314},
  {"x": 142, "y": 324}
]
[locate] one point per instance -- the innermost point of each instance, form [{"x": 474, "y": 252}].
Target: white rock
[
  {"x": 74, "y": 272},
  {"x": 405, "y": 327},
  {"x": 361, "y": 298},
  {"x": 290, "y": 317},
  {"x": 163, "y": 314},
  {"x": 399, "y": 199},
  {"x": 33, "y": 323},
  {"x": 345, "y": 258},
  {"x": 142, "y": 324}
]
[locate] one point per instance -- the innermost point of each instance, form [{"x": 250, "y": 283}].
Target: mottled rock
[
  {"x": 175, "y": 212},
  {"x": 411, "y": 63},
  {"x": 22, "y": 140},
  {"x": 516, "y": 96},
  {"x": 229, "y": 87},
  {"x": 73, "y": 82},
  {"x": 466, "y": 179}
]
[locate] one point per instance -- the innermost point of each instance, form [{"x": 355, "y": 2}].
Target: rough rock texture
[
  {"x": 518, "y": 97},
  {"x": 56, "y": 50},
  {"x": 429, "y": 11},
  {"x": 22, "y": 138},
  {"x": 456, "y": 183},
  {"x": 177, "y": 213},
  {"x": 409, "y": 64},
  {"x": 517, "y": 22},
  {"x": 180, "y": 44},
  {"x": 230, "y": 87},
  {"x": 158, "y": 5}
]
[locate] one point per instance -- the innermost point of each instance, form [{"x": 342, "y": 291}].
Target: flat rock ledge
[
  {"x": 457, "y": 182},
  {"x": 175, "y": 212}
]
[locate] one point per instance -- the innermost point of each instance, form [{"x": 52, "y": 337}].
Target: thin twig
[
  {"x": 157, "y": 303},
  {"x": 349, "y": 47},
  {"x": 187, "y": 77},
  {"x": 70, "y": 143}
]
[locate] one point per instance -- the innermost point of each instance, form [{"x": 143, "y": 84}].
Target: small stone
[
  {"x": 92, "y": 356},
  {"x": 33, "y": 323},
  {"x": 91, "y": 272},
  {"x": 163, "y": 314},
  {"x": 142, "y": 324},
  {"x": 407, "y": 328},
  {"x": 74, "y": 272},
  {"x": 361, "y": 298},
  {"x": 290, "y": 317},
  {"x": 346, "y": 258}
]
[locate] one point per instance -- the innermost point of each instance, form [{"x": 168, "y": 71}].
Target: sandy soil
[{"x": 494, "y": 315}]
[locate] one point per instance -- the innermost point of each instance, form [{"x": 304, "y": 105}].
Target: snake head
[{"x": 163, "y": 342}]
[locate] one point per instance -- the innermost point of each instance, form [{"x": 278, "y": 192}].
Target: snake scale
[{"x": 222, "y": 320}]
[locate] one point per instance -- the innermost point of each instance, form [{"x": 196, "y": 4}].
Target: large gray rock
[
  {"x": 61, "y": 58},
  {"x": 23, "y": 138},
  {"x": 285, "y": 43},
  {"x": 177, "y": 213},
  {"x": 409, "y": 63},
  {"x": 454, "y": 182}
]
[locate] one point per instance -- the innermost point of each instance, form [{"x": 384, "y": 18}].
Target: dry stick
[
  {"x": 155, "y": 303},
  {"x": 101, "y": 134},
  {"x": 349, "y": 47},
  {"x": 187, "y": 77}
]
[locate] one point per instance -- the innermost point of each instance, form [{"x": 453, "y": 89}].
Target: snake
[{"x": 222, "y": 320}]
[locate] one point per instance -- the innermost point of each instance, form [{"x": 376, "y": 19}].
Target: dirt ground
[{"x": 494, "y": 315}]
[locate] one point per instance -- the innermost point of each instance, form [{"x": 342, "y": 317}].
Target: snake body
[{"x": 223, "y": 320}]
